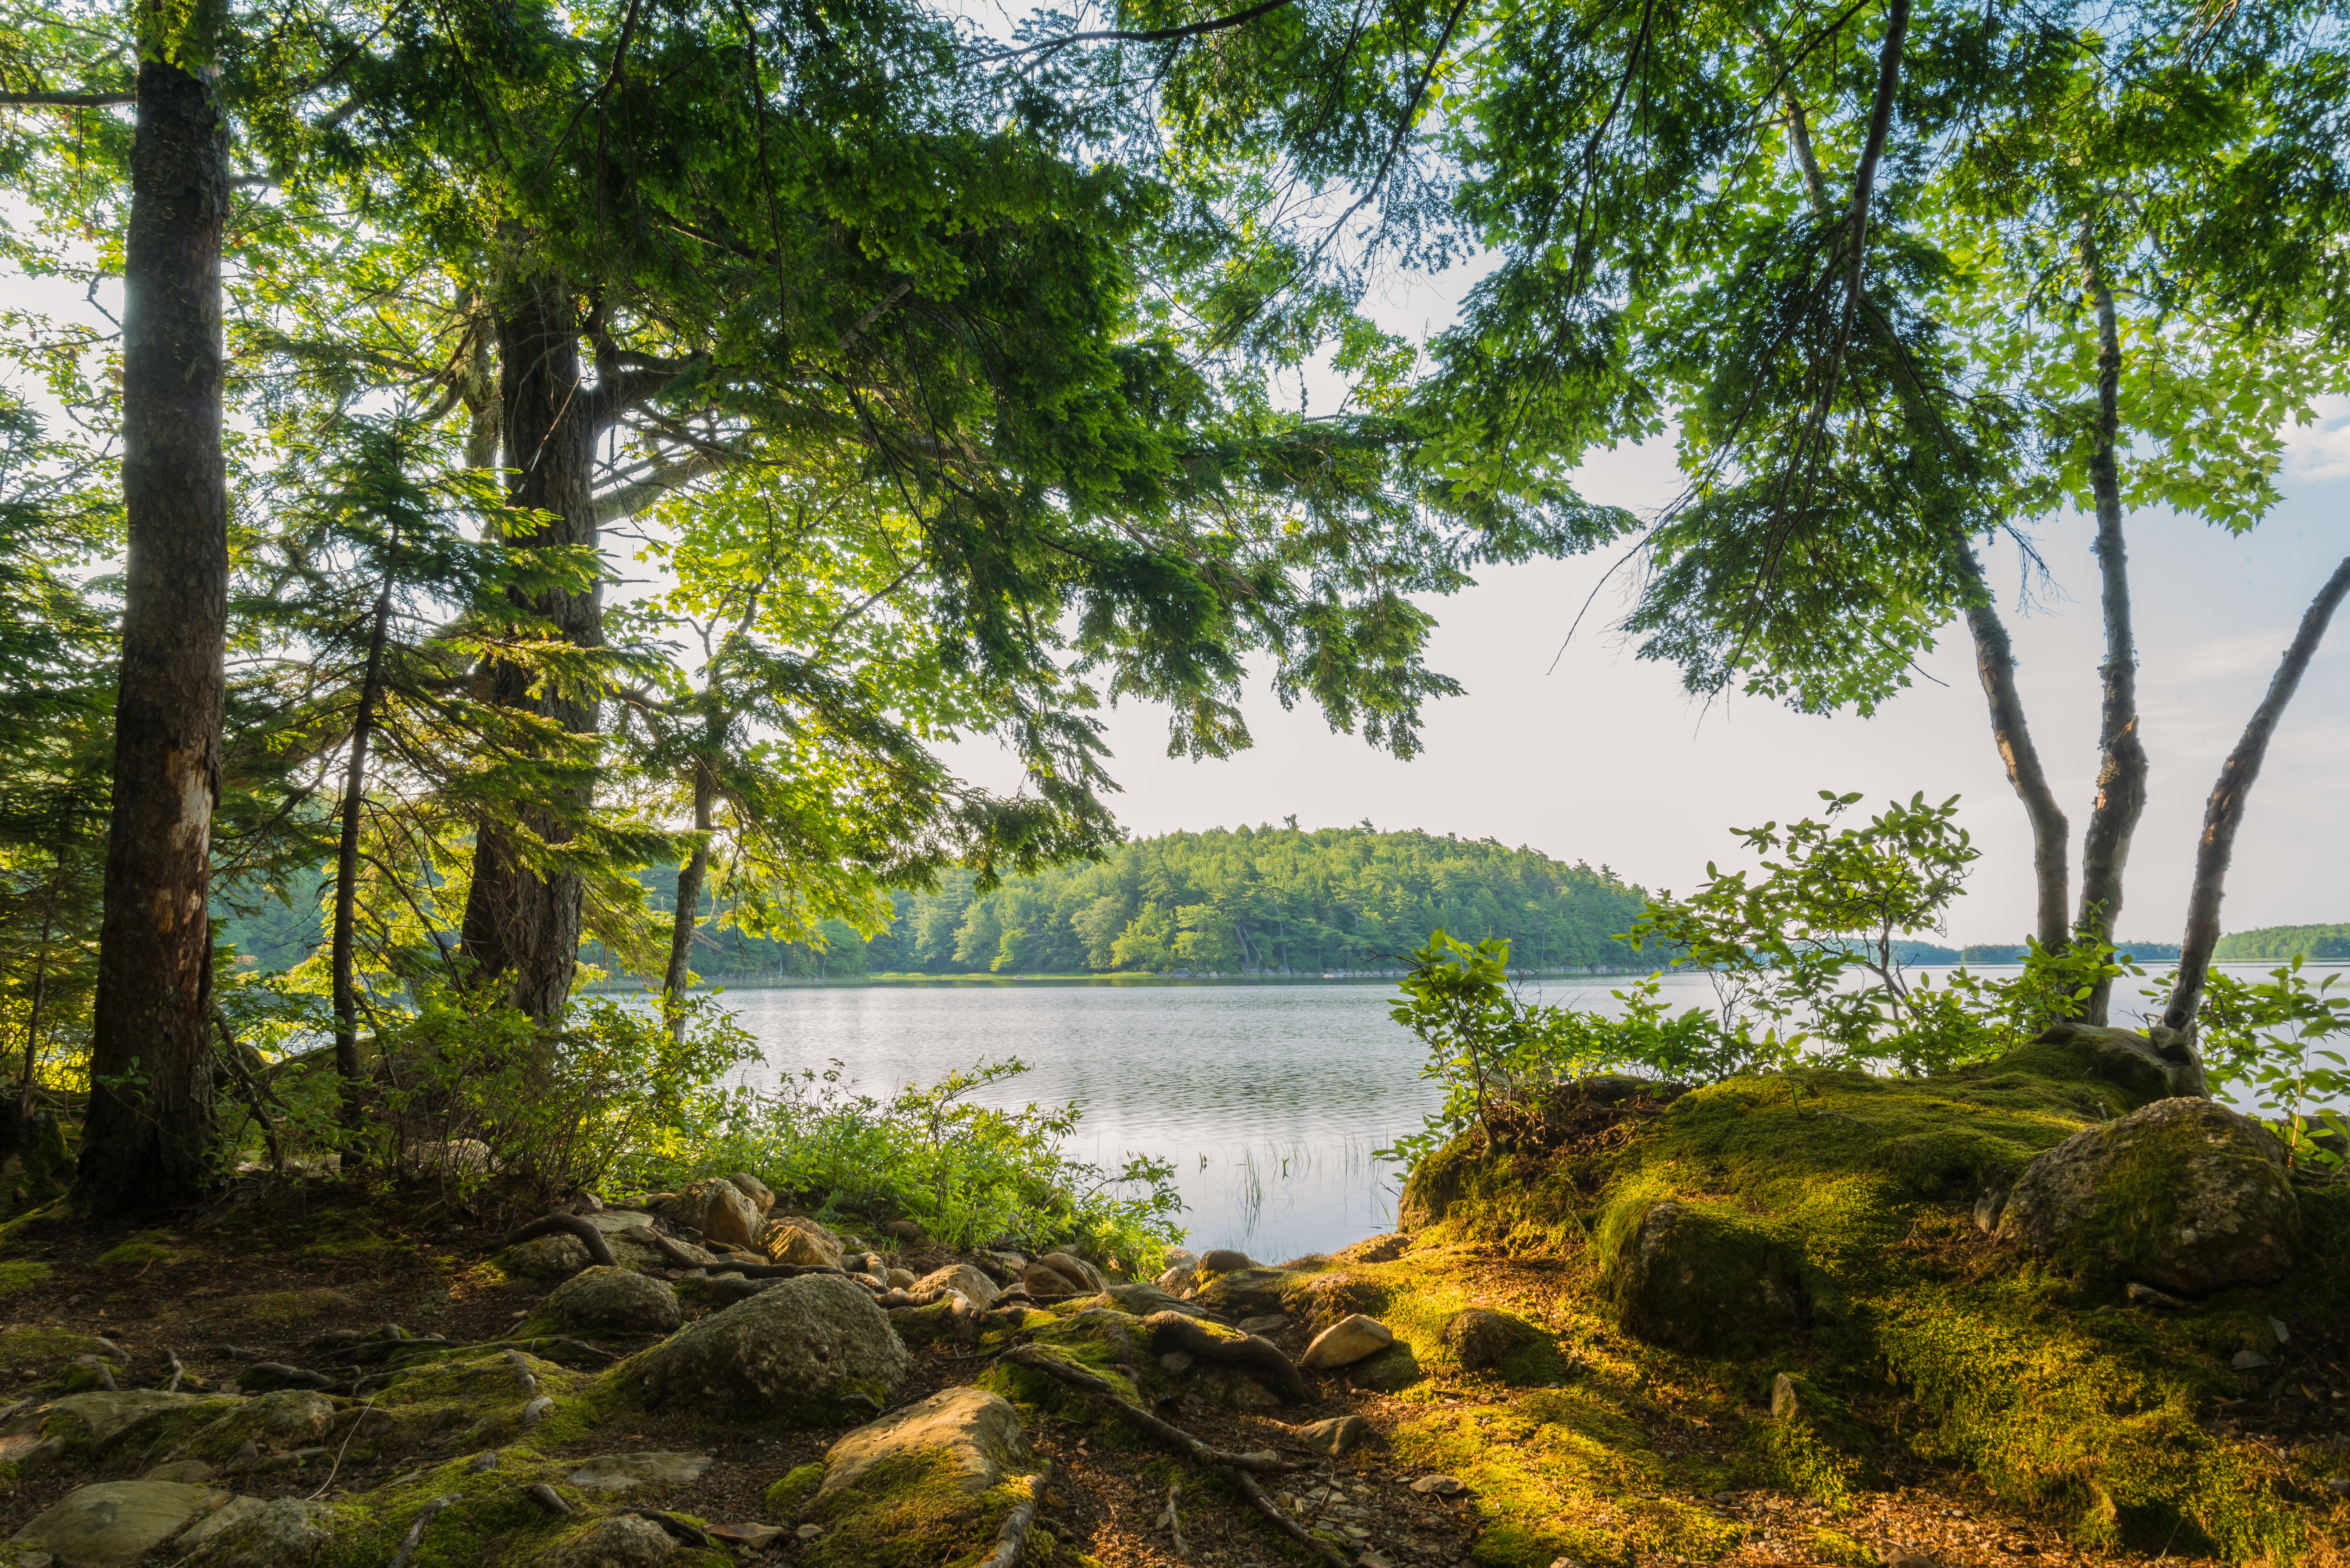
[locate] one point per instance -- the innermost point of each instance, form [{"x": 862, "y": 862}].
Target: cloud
[{"x": 2321, "y": 450}]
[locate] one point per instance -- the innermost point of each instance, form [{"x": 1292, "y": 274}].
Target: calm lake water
[{"x": 1269, "y": 1095}]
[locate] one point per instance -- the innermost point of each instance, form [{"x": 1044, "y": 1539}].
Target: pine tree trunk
[
  {"x": 147, "y": 1140},
  {"x": 2224, "y": 813},
  {"x": 2051, "y": 846},
  {"x": 521, "y": 928},
  {"x": 688, "y": 901},
  {"x": 347, "y": 864},
  {"x": 2121, "y": 773}
]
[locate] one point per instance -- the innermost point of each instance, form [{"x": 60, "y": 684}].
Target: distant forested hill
[
  {"x": 2002, "y": 952},
  {"x": 1250, "y": 900},
  {"x": 2282, "y": 942}
]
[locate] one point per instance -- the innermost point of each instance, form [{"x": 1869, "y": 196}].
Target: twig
[
  {"x": 339, "y": 1452},
  {"x": 178, "y": 1372},
  {"x": 415, "y": 1536},
  {"x": 1012, "y": 1535},
  {"x": 1173, "y": 1519}
]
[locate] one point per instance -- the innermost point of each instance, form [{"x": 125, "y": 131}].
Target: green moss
[
  {"x": 276, "y": 1307},
  {"x": 789, "y": 1496},
  {"x": 18, "y": 1277},
  {"x": 914, "y": 1511},
  {"x": 2140, "y": 1202},
  {"x": 1835, "y": 1546},
  {"x": 145, "y": 1248}
]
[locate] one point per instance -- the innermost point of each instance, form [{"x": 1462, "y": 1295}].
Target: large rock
[
  {"x": 1346, "y": 1342},
  {"x": 1246, "y": 1292},
  {"x": 1061, "y": 1274},
  {"x": 2184, "y": 1195},
  {"x": 614, "y": 1301},
  {"x": 808, "y": 1352},
  {"x": 978, "y": 1433},
  {"x": 717, "y": 1208},
  {"x": 976, "y": 1287},
  {"x": 1224, "y": 1261},
  {"x": 1698, "y": 1275},
  {"x": 796, "y": 1239},
  {"x": 555, "y": 1257},
  {"x": 623, "y": 1541},
  {"x": 284, "y": 1532},
  {"x": 112, "y": 1524},
  {"x": 1479, "y": 1337},
  {"x": 762, "y": 1197}
]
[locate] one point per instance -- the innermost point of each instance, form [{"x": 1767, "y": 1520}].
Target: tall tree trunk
[
  {"x": 146, "y": 1142},
  {"x": 41, "y": 989},
  {"x": 519, "y": 927},
  {"x": 2121, "y": 773},
  {"x": 2224, "y": 813},
  {"x": 689, "y": 900},
  {"x": 347, "y": 863},
  {"x": 2051, "y": 837}
]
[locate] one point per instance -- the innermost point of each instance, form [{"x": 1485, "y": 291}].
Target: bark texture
[
  {"x": 689, "y": 900},
  {"x": 150, "y": 1125},
  {"x": 2121, "y": 772},
  {"x": 2050, "y": 835},
  {"x": 2223, "y": 814},
  {"x": 346, "y": 860},
  {"x": 521, "y": 928}
]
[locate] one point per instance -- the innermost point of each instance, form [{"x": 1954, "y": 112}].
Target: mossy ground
[{"x": 1926, "y": 1355}]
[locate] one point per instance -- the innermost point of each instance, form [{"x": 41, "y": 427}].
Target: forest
[{"x": 491, "y": 461}]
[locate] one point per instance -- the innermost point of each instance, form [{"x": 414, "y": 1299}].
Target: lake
[{"x": 1270, "y": 1095}]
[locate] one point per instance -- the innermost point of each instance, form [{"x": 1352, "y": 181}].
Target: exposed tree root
[
  {"x": 415, "y": 1536},
  {"x": 599, "y": 1251},
  {"x": 1012, "y": 1535},
  {"x": 1173, "y": 1331},
  {"x": 680, "y": 1529},
  {"x": 1236, "y": 1466}
]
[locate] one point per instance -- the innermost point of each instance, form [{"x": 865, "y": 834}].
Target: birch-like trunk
[{"x": 2051, "y": 837}]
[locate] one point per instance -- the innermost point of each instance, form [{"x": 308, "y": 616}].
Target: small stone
[
  {"x": 2248, "y": 1361},
  {"x": 618, "y": 1472},
  {"x": 754, "y": 1536},
  {"x": 557, "y": 1257},
  {"x": 1223, "y": 1260},
  {"x": 810, "y": 1531},
  {"x": 2277, "y": 1327},
  {"x": 2143, "y": 1294},
  {"x": 1177, "y": 1277},
  {"x": 615, "y": 1300},
  {"x": 189, "y": 1472},
  {"x": 1479, "y": 1337},
  {"x": 1350, "y": 1339},
  {"x": 1786, "y": 1399},
  {"x": 903, "y": 1279},
  {"x": 795, "y": 1239},
  {"x": 1176, "y": 1363},
  {"x": 910, "y": 1232},
  {"x": 1339, "y": 1434},
  {"x": 236, "y": 1511},
  {"x": 1439, "y": 1486},
  {"x": 1273, "y": 1322},
  {"x": 623, "y": 1541},
  {"x": 976, "y": 1287},
  {"x": 1902, "y": 1557},
  {"x": 2338, "y": 1485}
]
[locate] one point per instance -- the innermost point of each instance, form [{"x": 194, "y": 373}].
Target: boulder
[
  {"x": 618, "y": 1472},
  {"x": 1695, "y": 1275},
  {"x": 274, "y": 1422},
  {"x": 1178, "y": 1277},
  {"x": 1043, "y": 1281},
  {"x": 614, "y": 1301},
  {"x": 1479, "y": 1337},
  {"x": 1223, "y": 1260},
  {"x": 806, "y": 1351},
  {"x": 236, "y": 1511},
  {"x": 623, "y": 1541},
  {"x": 1083, "y": 1276},
  {"x": 2186, "y": 1195},
  {"x": 2157, "y": 1065},
  {"x": 557, "y": 1257},
  {"x": 978, "y": 1432},
  {"x": 1384, "y": 1248},
  {"x": 796, "y": 1239},
  {"x": 1346, "y": 1342},
  {"x": 1004, "y": 1268},
  {"x": 762, "y": 1196},
  {"x": 718, "y": 1210},
  {"x": 1246, "y": 1292},
  {"x": 284, "y": 1532},
  {"x": 112, "y": 1524},
  {"x": 975, "y": 1286}
]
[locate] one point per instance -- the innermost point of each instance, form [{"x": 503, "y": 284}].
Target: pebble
[
  {"x": 754, "y": 1536},
  {"x": 1346, "y": 1342},
  {"x": 2248, "y": 1361},
  {"x": 1439, "y": 1486},
  {"x": 810, "y": 1531},
  {"x": 1272, "y": 1323}
]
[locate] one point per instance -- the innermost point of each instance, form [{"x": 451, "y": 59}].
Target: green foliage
[
  {"x": 971, "y": 1174},
  {"x": 2270, "y": 1044},
  {"x": 2277, "y": 942}
]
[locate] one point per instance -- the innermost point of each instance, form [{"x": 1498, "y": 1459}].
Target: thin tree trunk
[
  {"x": 2121, "y": 773},
  {"x": 40, "y": 990},
  {"x": 2224, "y": 813},
  {"x": 689, "y": 900},
  {"x": 347, "y": 863},
  {"x": 2051, "y": 837},
  {"x": 519, "y": 927},
  {"x": 147, "y": 1140}
]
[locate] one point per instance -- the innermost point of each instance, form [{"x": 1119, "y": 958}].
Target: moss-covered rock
[
  {"x": 2185, "y": 1195},
  {"x": 812, "y": 1351},
  {"x": 609, "y": 1301},
  {"x": 928, "y": 1485},
  {"x": 1701, "y": 1275}
]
